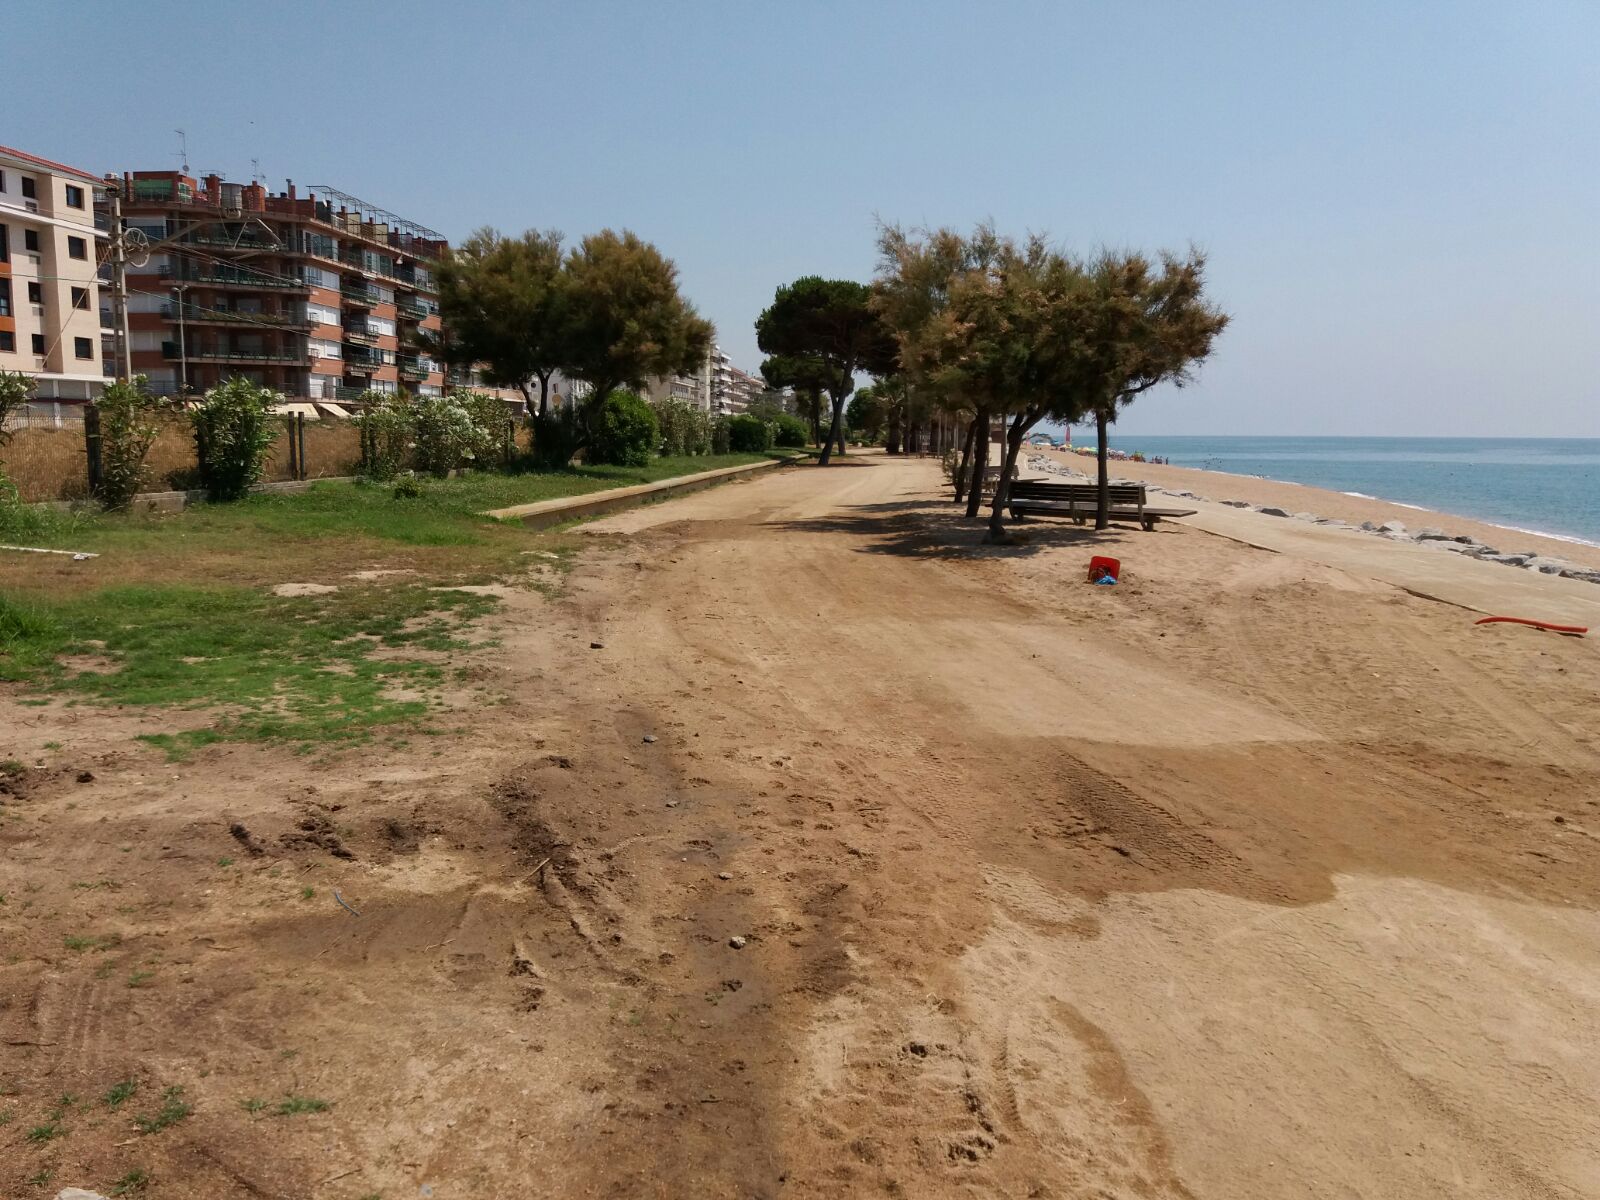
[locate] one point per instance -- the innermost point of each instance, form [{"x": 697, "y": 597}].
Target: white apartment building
[{"x": 49, "y": 289}]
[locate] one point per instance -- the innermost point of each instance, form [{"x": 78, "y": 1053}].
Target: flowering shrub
[
  {"x": 129, "y": 426},
  {"x": 232, "y": 434}
]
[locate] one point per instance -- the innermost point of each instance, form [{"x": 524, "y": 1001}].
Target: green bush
[
  {"x": 387, "y": 427},
  {"x": 749, "y": 435},
  {"x": 557, "y": 434},
  {"x": 491, "y": 426},
  {"x": 233, "y": 430},
  {"x": 720, "y": 435},
  {"x": 675, "y": 418},
  {"x": 444, "y": 433},
  {"x": 129, "y": 426},
  {"x": 789, "y": 430},
  {"x": 623, "y": 431}
]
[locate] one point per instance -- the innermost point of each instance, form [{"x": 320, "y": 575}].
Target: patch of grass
[
  {"x": 174, "y": 1108},
  {"x": 40, "y": 1178},
  {"x": 120, "y": 1093},
  {"x": 80, "y": 943},
  {"x": 133, "y": 1182},
  {"x": 48, "y": 1132},
  {"x": 307, "y": 892},
  {"x": 299, "y": 669},
  {"x": 253, "y": 1105},
  {"x": 140, "y": 978},
  {"x": 9, "y": 766},
  {"x": 224, "y": 862},
  {"x": 52, "y": 745},
  {"x": 292, "y": 1105},
  {"x": 8, "y": 1116}
]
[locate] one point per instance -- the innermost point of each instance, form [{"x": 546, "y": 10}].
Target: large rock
[
  {"x": 1268, "y": 511},
  {"x": 1549, "y": 566},
  {"x": 1237, "y": 503},
  {"x": 1393, "y": 528},
  {"x": 78, "y": 1194},
  {"x": 1431, "y": 534}
]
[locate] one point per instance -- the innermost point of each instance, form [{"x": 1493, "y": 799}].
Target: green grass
[
  {"x": 292, "y": 1105},
  {"x": 253, "y": 1105},
  {"x": 174, "y": 1108},
  {"x": 79, "y": 943},
  {"x": 48, "y": 1132},
  {"x": 121, "y": 1093},
  {"x": 178, "y": 612},
  {"x": 133, "y": 1182}
]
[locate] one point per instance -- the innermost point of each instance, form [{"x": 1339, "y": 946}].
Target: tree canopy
[
  {"x": 504, "y": 301},
  {"x": 830, "y": 321},
  {"x": 627, "y": 320}
]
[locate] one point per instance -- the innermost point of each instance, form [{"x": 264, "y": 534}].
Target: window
[
  {"x": 27, "y": 187},
  {"x": 38, "y": 343},
  {"x": 35, "y": 294},
  {"x": 30, "y": 240},
  {"x": 5, "y": 252},
  {"x": 83, "y": 347},
  {"x": 80, "y": 297},
  {"x": 5, "y": 297},
  {"x": 8, "y": 341},
  {"x": 74, "y": 196},
  {"x": 77, "y": 248},
  {"x": 2, "y": 181}
]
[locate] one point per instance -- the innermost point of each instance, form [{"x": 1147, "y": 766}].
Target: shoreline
[{"x": 1351, "y": 507}]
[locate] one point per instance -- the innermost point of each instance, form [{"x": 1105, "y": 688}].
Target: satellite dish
[{"x": 136, "y": 247}]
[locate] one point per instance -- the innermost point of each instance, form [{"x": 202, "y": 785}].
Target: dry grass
[
  {"x": 47, "y": 464},
  {"x": 50, "y": 464}
]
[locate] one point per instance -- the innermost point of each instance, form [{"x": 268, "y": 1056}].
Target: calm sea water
[{"x": 1543, "y": 485}]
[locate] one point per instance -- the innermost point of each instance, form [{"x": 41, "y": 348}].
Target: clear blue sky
[{"x": 1401, "y": 201}]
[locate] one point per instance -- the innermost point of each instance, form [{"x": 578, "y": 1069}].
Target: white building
[{"x": 49, "y": 289}]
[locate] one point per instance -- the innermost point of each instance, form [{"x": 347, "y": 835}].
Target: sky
[{"x": 1400, "y": 201}]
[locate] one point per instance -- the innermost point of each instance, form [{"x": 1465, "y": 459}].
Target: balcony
[
  {"x": 230, "y": 278},
  {"x": 223, "y": 242},
  {"x": 410, "y": 309},
  {"x": 359, "y": 366},
  {"x": 195, "y": 314},
  {"x": 360, "y": 337},
  {"x": 349, "y": 395},
  {"x": 411, "y": 368},
  {"x": 229, "y": 354},
  {"x": 359, "y": 295}
]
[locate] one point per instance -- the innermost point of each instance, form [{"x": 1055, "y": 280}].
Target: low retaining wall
[{"x": 545, "y": 513}]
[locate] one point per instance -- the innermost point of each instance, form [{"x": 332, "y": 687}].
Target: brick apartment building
[
  {"x": 320, "y": 296},
  {"x": 49, "y": 293}
]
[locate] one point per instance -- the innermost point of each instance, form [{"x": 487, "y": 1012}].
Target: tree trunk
[
  {"x": 815, "y": 400},
  {"x": 892, "y": 440},
  {"x": 835, "y": 430},
  {"x": 544, "y": 393},
  {"x": 1020, "y": 424},
  {"x": 980, "y": 460},
  {"x": 966, "y": 461},
  {"x": 1102, "y": 512}
]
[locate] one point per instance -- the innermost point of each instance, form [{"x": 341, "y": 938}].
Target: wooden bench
[{"x": 1080, "y": 501}]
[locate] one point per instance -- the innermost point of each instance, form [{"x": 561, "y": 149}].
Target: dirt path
[{"x": 1245, "y": 878}]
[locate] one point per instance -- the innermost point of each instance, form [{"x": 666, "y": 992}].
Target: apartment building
[
  {"x": 49, "y": 292},
  {"x": 717, "y": 387},
  {"x": 321, "y": 296}
]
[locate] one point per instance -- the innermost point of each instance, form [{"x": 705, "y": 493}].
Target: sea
[{"x": 1537, "y": 485}]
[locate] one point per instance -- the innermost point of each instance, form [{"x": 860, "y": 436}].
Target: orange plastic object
[
  {"x": 1099, "y": 567},
  {"x": 1579, "y": 630}
]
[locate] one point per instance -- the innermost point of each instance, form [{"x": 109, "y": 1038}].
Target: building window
[
  {"x": 80, "y": 298},
  {"x": 38, "y": 343},
  {"x": 30, "y": 240},
  {"x": 8, "y": 341},
  {"x": 74, "y": 196},
  {"x": 77, "y": 248},
  {"x": 35, "y": 293},
  {"x": 5, "y": 297},
  {"x": 27, "y": 187},
  {"x": 83, "y": 347},
  {"x": 5, "y": 250}
]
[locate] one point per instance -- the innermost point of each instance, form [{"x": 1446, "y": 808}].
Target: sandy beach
[
  {"x": 804, "y": 846},
  {"x": 1295, "y": 497}
]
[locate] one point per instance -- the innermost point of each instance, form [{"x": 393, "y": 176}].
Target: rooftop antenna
[
  {"x": 255, "y": 171},
  {"x": 183, "y": 148}
]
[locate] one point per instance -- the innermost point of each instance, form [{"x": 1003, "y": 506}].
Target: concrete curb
[{"x": 544, "y": 513}]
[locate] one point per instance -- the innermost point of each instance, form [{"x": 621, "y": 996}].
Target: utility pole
[
  {"x": 183, "y": 347},
  {"x": 119, "y": 285}
]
